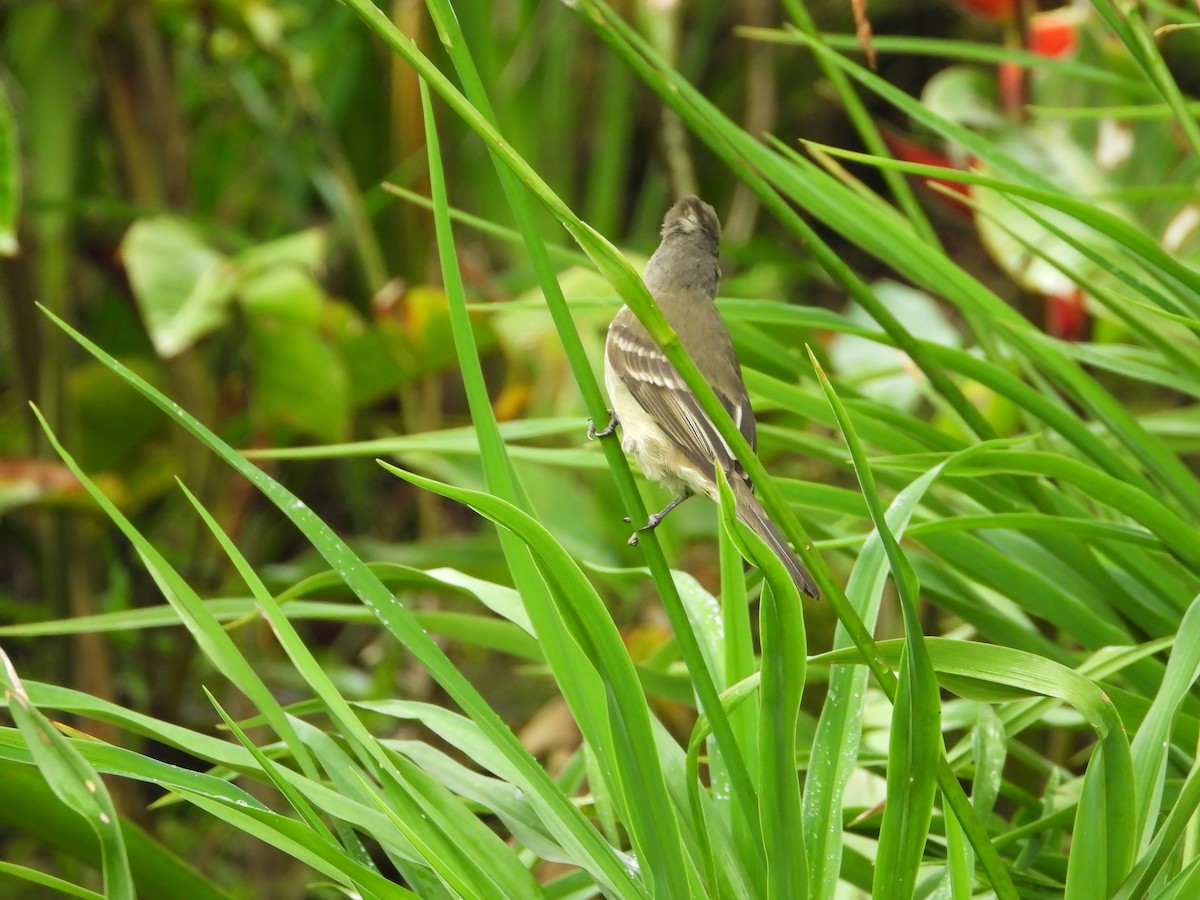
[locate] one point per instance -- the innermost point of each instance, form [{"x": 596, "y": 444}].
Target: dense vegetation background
[{"x": 245, "y": 208}]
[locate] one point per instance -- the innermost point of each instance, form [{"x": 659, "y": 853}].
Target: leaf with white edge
[
  {"x": 305, "y": 249},
  {"x": 887, "y": 374},
  {"x": 182, "y": 286},
  {"x": 966, "y": 95}
]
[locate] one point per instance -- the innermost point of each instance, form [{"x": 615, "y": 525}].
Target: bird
[{"x": 663, "y": 426}]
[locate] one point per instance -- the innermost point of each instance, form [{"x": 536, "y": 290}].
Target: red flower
[
  {"x": 1066, "y": 315},
  {"x": 1053, "y": 35},
  {"x": 996, "y": 10},
  {"x": 905, "y": 148}
]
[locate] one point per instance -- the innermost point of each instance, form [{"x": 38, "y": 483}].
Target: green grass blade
[
  {"x": 31, "y": 808},
  {"x": 73, "y": 781},
  {"x": 593, "y": 852},
  {"x": 502, "y": 481},
  {"x": 966, "y": 51},
  {"x": 444, "y": 833},
  {"x": 295, "y": 799},
  {"x": 1157, "y": 857},
  {"x": 1151, "y": 743},
  {"x": 10, "y": 177},
  {"x": 512, "y": 170},
  {"x": 856, "y": 110},
  {"x": 294, "y": 839},
  {"x": 33, "y": 876},
  {"x": 915, "y": 744},
  {"x": 633, "y": 771},
  {"x": 1156, "y": 517},
  {"x": 1127, "y": 236},
  {"x": 1105, "y": 835},
  {"x": 1127, "y": 23},
  {"x": 839, "y": 728},
  {"x": 213, "y": 640},
  {"x": 463, "y": 441},
  {"x": 781, "y": 686}
]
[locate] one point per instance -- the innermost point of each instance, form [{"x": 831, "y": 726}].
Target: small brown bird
[{"x": 663, "y": 426}]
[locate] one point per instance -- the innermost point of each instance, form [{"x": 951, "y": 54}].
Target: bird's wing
[{"x": 659, "y": 389}]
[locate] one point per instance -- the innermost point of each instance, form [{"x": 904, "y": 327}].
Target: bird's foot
[
  {"x": 654, "y": 519},
  {"x": 608, "y": 429},
  {"x": 651, "y": 524}
]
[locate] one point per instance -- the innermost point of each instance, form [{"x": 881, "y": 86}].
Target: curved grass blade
[
  {"x": 915, "y": 744},
  {"x": 1157, "y": 857},
  {"x": 969, "y": 51},
  {"x": 294, "y": 839},
  {"x": 33, "y": 876},
  {"x": 512, "y": 170},
  {"x": 213, "y": 640},
  {"x": 781, "y": 686},
  {"x": 1151, "y": 743},
  {"x": 858, "y": 114},
  {"x": 1125, "y": 235},
  {"x": 669, "y": 864},
  {"x": 31, "y": 808},
  {"x": 572, "y": 828},
  {"x": 73, "y": 781},
  {"x": 449, "y": 838},
  {"x": 839, "y": 728},
  {"x": 636, "y": 772}
]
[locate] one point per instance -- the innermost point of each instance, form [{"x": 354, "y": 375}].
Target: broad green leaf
[
  {"x": 965, "y": 95},
  {"x": 303, "y": 250},
  {"x": 885, "y": 375},
  {"x": 300, "y": 382},
  {"x": 283, "y": 293}
]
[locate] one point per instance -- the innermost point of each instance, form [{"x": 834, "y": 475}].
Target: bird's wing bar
[{"x": 660, "y": 390}]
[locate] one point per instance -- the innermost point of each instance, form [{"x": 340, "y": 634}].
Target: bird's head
[{"x": 693, "y": 219}]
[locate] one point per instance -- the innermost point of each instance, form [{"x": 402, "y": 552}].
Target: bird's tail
[{"x": 750, "y": 511}]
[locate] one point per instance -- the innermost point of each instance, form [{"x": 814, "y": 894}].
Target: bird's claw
[
  {"x": 651, "y": 524},
  {"x": 608, "y": 429}
]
